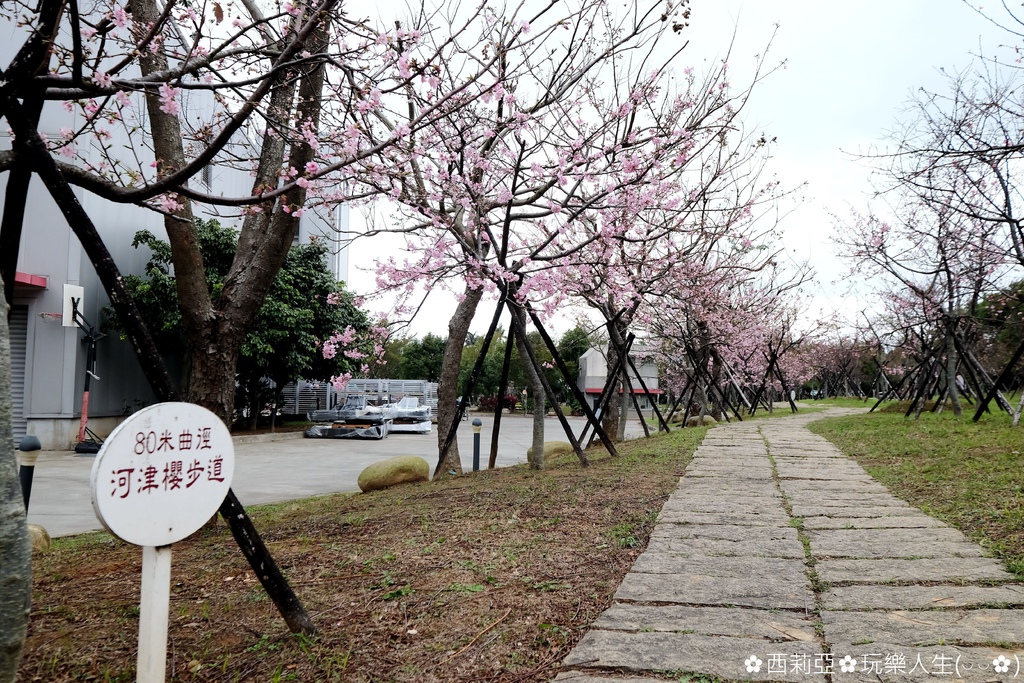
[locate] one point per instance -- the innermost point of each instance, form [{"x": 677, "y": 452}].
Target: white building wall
[{"x": 594, "y": 372}]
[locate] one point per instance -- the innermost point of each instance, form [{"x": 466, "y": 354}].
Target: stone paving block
[
  {"x": 773, "y": 625},
  {"x": 720, "y": 507},
  {"x": 883, "y": 549},
  {"x": 713, "y": 547},
  {"x": 759, "y": 502},
  {"x": 726, "y": 489},
  {"x": 652, "y": 562},
  {"x": 731, "y": 456},
  {"x": 920, "y": 628},
  {"x": 716, "y": 655},
  {"x": 766, "y": 487},
  {"x": 918, "y": 521},
  {"x": 892, "y": 663},
  {"x": 736, "y": 475},
  {"x": 944, "y": 534},
  {"x": 849, "y": 511},
  {"x": 723, "y": 532},
  {"x": 728, "y": 468},
  {"x": 921, "y": 597},
  {"x": 581, "y": 677},
  {"x": 762, "y": 518},
  {"x": 680, "y": 499},
  {"x": 823, "y": 474},
  {"x": 713, "y": 453},
  {"x": 768, "y": 592},
  {"x": 832, "y": 499},
  {"x": 732, "y": 448},
  {"x": 881, "y": 571},
  {"x": 792, "y": 467},
  {"x": 794, "y": 487}
]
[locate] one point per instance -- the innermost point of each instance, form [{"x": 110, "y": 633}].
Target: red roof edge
[{"x": 29, "y": 280}]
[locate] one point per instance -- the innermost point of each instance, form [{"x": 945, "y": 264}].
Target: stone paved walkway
[{"x": 778, "y": 558}]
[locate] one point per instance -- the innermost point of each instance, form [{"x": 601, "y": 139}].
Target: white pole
[{"x": 153, "y": 611}]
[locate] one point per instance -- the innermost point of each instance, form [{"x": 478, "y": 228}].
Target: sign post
[
  {"x": 157, "y": 479},
  {"x": 153, "y": 613}
]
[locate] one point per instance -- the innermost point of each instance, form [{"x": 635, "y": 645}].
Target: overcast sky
[{"x": 851, "y": 67}]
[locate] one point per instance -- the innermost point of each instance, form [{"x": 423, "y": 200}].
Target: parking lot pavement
[{"x": 275, "y": 471}]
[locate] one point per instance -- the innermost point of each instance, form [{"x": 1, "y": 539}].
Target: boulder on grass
[
  {"x": 552, "y": 448},
  {"x": 39, "y": 538},
  {"x": 695, "y": 421},
  {"x": 397, "y": 470}
]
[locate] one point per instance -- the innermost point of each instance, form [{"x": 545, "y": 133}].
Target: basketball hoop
[{"x": 52, "y": 318}]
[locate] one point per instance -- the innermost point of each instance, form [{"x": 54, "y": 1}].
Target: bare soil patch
[{"x": 491, "y": 576}]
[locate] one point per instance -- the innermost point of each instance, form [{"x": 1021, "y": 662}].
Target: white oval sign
[{"x": 162, "y": 473}]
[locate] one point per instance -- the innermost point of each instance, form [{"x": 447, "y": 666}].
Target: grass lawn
[
  {"x": 486, "y": 577},
  {"x": 970, "y": 475}
]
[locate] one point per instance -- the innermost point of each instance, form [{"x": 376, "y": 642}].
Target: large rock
[
  {"x": 552, "y": 448},
  {"x": 39, "y": 538},
  {"x": 398, "y": 470},
  {"x": 695, "y": 421}
]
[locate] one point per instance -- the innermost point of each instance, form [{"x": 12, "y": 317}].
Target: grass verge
[
  {"x": 487, "y": 577},
  {"x": 965, "y": 473}
]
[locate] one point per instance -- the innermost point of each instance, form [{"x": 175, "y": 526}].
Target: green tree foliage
[
  {"x": 411, "y": 358},
  {"x": 421, "y": 359},
  {"x": 391, "y": 367},
  {"x": 490, "y": 375},
  {"x": 517, "y": 371},
  {"x": 283, "y": 344},
  {"x": 573, "y": 344},
  {"x": 1002, "y": 318}
]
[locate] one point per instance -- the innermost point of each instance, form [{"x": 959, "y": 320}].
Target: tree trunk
[
  {"x": 620, "y": 430},
  {"x": 448, "y": 384},
  {"x": 169, "y": 151},
  {"x": 610, "y": 416},
  {"x": 150, "y": 360},
  {"x": 533, "y": 374},
  {"x": 716, "y": 372},
  {"x": 614, "y": 419},
  {"x": 15, "y": 553}
]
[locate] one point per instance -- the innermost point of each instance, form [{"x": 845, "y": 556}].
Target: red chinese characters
[{"x": 177, "y": 474}]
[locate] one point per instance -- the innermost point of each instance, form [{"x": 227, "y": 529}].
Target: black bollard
[
  {"x": 29, "y": 448},
  {"x": 476, "y": 443}
]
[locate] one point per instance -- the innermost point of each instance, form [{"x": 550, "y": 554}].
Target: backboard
[{"x": 71, "y": 293}]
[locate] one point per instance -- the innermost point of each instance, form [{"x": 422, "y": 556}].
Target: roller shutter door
[{"x": 19, "y": 337}]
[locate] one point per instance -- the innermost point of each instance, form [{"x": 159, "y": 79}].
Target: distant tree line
[{"x": 422, "y": 358}]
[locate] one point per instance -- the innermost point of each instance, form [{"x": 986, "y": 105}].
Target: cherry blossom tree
[
  {"x": 930, "y": 266},
  {"x": 577, "y": 132},
  {"x": 648, "y": 259},
  {"x": 726, "y": 333}
]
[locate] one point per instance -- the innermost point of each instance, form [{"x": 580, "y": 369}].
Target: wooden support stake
[
  {"x": 566, "y": 427},
  {"x": 492, "y": 461},
  {"x": 571, "y": 381},
  {"x": 1003, "y": 376}
]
